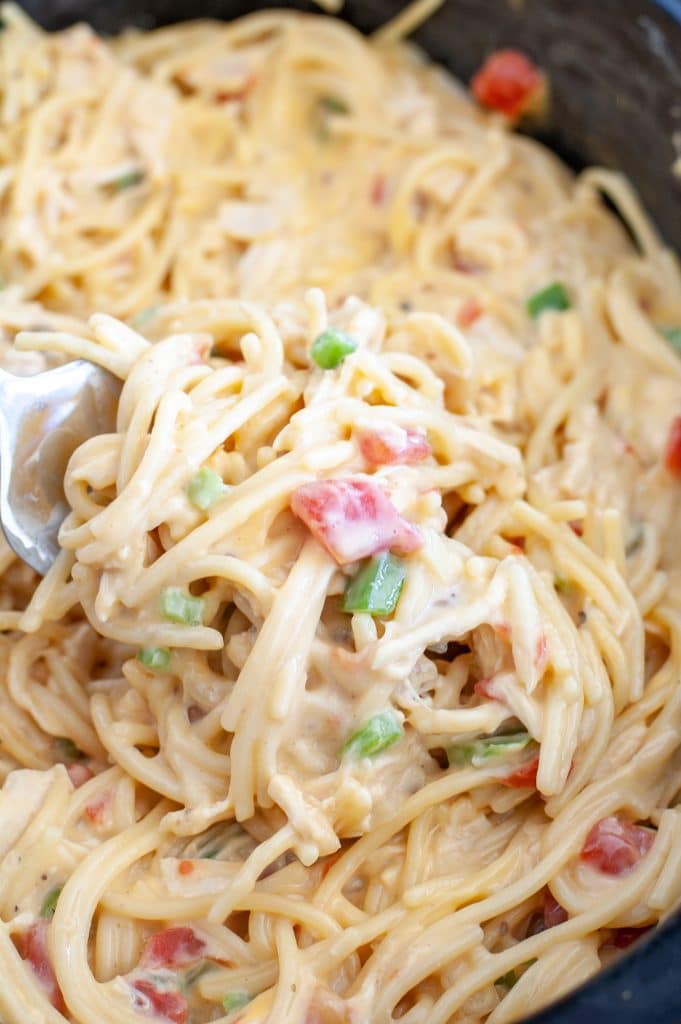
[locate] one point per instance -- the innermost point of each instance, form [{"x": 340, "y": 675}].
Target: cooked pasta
[{"x": 353, "y": 693}]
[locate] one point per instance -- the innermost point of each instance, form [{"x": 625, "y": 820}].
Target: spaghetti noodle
[{"x": 353, "y": 692}]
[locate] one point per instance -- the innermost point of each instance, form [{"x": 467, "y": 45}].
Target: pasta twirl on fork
[{"x": 353, "y": 693}]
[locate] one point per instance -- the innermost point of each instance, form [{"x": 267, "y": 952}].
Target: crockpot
[{"x": 615, "y": 72}]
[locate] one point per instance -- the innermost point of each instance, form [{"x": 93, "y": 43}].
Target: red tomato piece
[
  {"x": 525, "y": 775},
  {"x": 378, "y": 190},
  {"x": 201, "y": 352},
  {"x": 541, "y": 653},
  {"x": 96, "y": 810},
  {"x": 485, "y": 688},
  {"x": 508, "y": 81},
  {"x": 239, "y": 93},
  {"x": 553, "y": 912},
  {"x": 169, "y": 1005},
  {"x": 394, "y": 445},
  {"x": 463, "y": 266},
  {"x": 622, "y": 938},
  {"x": 470, "y": 312},
  {"x": 174, "y": 947},
  {"x": 353, "y": 518},
  {"x": 79, "y": 774},
  {"x": 503, "y": 629},
  {"x": 672, "y": 453},
  {"x": 615, "y": 847},
  {"x": 32, "y": 947}
]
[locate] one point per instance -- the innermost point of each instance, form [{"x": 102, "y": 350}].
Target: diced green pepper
[
  {"x": 50, "y": 902},
  {"x": 128, "y": 180},
  {"x": 507, "y": 980},
  {"x": 673, "y": 336},
  {"x": 144, "y": 318},
  {"x": 561, "y": 583},
  {"x": 481, "y": 751},
  {"x": 635, "y": 542},
  {"x": 67, "y": 749},
  {"x": 209, "y": 845},
  {"x": 331, "y": 347},
  {"x": 236, "y": 1001},
  {"x": 334, "y": 105},
  {"x": 512, "y": 978},
  {"x": 157, "y": 658},
  {"x": 376, "y": 588},
  {"x": 192, "y": 975},
  {"x": 379, "y": 733},
  {"x": 205, "y": 488},
  {"x": 554, "y": 296},
  {"x": 179, "y": 606}
]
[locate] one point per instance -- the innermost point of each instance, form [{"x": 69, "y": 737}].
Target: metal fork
[{"x": 43, "y": 419}]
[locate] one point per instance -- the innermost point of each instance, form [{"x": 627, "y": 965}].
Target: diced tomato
[
  {"x": 353, "y": 518},
  {"x": 79, "y": 773},
  {"x": 485, "y": 688},
  {"x": 623, "y": 446},
  {"x": 525, "y": 775},
  {"x": 553, "y": 912},
  {"x": 96, "y": 810},
  {"x": 168, "y": 1005},
  {"x": 541, "y": 652},
  {"x": 672, "y": 453},
  {"x": 174, "y": 947},
  {"x": 503, "y": 629},
  {"x": 186, "y": 867},
  {"x": 463, "y": 266},
  {"x": 615, "y": 847},
  {"x": 508, "y": 81},
  {"x": 32, "y": 947},
  {"x": 622, "y": 938},
  {"x": 238, "y": 93},
  {"x": 378, "y": 190},
  {"x": 469, "y": 312},
  {"x": 394, "y": 445},
  {"x": 199, "y": 354}
]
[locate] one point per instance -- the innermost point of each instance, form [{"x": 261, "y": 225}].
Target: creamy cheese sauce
[{"x": 353, "y": 693}]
